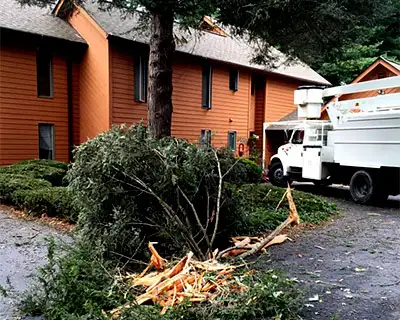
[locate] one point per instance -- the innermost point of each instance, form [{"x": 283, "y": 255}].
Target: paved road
[
  {"x": 351, "y": 266},
  {"x": 22, "y": 250}
]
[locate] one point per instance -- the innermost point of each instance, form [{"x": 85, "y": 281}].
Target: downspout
[{"x": 70, "y": 110}]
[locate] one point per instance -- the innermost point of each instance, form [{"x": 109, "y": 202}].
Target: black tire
[
  {"x": 365, "y": 188},
  {"x": 275, "y": 175}
]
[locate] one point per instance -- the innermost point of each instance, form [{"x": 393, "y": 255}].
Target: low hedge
[
  {"x": 253, "y": 170},
  {"x": 43, "y": 162},
  {"x": 51, "y": 171},
  {"x": 9, "y": 183},
  {"x": 55, "y": 202}
]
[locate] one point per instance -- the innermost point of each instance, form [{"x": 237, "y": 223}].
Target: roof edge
[
  {"x": 327, "y": 83},
  {"x": 81, "y": 41}
]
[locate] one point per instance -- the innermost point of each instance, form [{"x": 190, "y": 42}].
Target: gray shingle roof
[
  {"x": 203, "y": 44},
  {"x": 32, "y": 19},
  {"x": 290, "y": 116}
]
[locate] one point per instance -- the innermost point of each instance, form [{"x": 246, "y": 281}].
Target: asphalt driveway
[{"x": 350, "y": 266}]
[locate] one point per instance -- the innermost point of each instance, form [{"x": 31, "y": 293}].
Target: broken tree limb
[
  {"x": 263, "y": 242},
  {"x": 293, "y": 218},
  {"x": 279, "y": 203},
  {"x": 292, "y": 207}
]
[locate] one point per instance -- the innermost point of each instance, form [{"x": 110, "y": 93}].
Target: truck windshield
[{"x": 298, "y": 137}]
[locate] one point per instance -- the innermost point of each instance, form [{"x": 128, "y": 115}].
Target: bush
[
  {"x": 127, "y": 184},
  {"x": 55, "y": 202},
  {"x": 80, "y": 284},
  {"x": 253, "y": 170},
  {"x": 44, "y": 162},
  {"x": 51, "y": 171},
  {"x": 260, "y": 200},
  {"x": 9, "y": 183}
]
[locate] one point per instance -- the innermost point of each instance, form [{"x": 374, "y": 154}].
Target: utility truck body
[{"x": 359, "y": 146}]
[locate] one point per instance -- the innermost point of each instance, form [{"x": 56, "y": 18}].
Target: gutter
[{"x": 70, "y": 109}]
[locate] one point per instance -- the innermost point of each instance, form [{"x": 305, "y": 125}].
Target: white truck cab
[{"x": 359, "y": 146}]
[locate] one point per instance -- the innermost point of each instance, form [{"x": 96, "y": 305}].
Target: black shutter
[
  {"x": 44, "y": 75},
  {"x": 233, "y": 79},
  {"x": 144, "y": 78},
  {"x": 206, "y": 87},
  {"x": 136, "y": 80}
]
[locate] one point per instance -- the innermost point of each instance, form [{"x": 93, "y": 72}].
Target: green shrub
[
  {"x": 44, "y": 162},
  {"x": 78, "y": 283},
  {"x": 40, "y": 169},
  {"x": 55, "y": 202},
  {"x": 114, "y": 175},
  {"x": 259, "y": 202},
  {"x": 253, "y": 170},
  {"x": 9, "y": 183}
]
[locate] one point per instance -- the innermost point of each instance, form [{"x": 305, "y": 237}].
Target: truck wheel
[
  {"x": 365, "y": 189},
  {"x": 275, "y": 175}
]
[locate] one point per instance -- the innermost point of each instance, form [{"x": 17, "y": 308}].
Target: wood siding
[
  {"x": 21, "y": 110},
  {"x": 259, "y": 100},
  {"x": 94, "y": 77},
  {"x": 75, "y": 104},
  {"x": 279, "y": 97},
  {"x": 229, "y": 112}
]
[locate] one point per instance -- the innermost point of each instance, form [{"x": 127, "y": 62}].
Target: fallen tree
[{"x": 190, "y": 280}]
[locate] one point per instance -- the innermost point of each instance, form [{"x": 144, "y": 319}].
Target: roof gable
[
  {"x": 35, "y": 20},
  {"x": 203, "y": 44},
  {"x": 381, "y": 61}
]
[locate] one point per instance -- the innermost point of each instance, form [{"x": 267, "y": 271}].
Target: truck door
[
  {"x": 295, "y": 149},
  {"x": 312, "y": 168}
]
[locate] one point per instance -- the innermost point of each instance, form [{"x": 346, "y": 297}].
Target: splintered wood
[
  {"x": 188, "y": 279},
  {"x": 199, "y": 281},
  {"x": 247, "y": 246}
]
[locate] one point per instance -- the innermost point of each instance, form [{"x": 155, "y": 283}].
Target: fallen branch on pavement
[{"x": 248, "y": 246}]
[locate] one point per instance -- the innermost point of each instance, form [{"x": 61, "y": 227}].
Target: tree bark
[{"x": 159, "y": 96}]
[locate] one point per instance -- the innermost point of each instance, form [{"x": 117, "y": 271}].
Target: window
[
  {"x": 233, "y": 79},
  {"x": 46, "y": 141},
  {"x": 205, "y": 138},
  {"x": 44, "y": 75},
  {"x": 140, "y": 79},
  {"x": 298, "y": 137},
  {"x": 232, "y": 140},
  {"x": 206, "y": 87},
  {"x": 253, "y": 89}
]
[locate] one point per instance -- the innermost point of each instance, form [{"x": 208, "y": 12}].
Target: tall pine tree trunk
[{"x": 162, "y": 47}]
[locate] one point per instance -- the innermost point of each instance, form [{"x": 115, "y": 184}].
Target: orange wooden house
[
  {"x": 380, "y": 68},
  {"x": 95, "y": 72}
]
